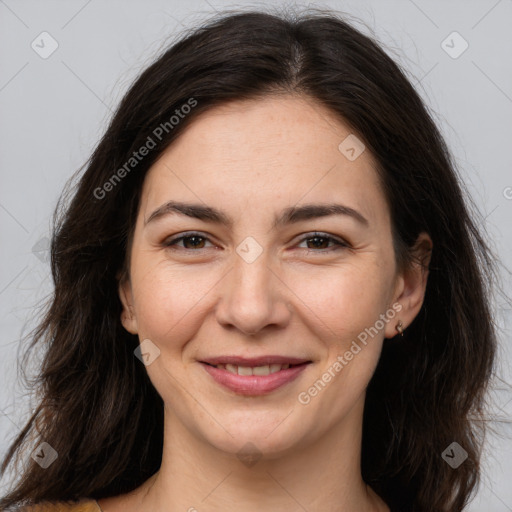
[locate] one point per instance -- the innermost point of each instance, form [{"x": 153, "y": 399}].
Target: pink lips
[
  {"x": 255, "y": 384},
  {"x": 254, "y": 361}
]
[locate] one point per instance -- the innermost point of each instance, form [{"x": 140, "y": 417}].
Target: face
[{"x": 252, "y": 277}]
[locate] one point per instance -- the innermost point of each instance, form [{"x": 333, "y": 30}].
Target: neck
[{"x": 323, "y": 474}]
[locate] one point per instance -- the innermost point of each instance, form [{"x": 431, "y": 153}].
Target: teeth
[
  {"x": 244, "y": 370},
  {"x": 230, "y": 368},
  {"x": 262, "y": 370},
  {"x": 253, "y": 370}
]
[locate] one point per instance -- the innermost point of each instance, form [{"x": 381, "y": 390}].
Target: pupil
[
  {"x": 316, "y": 239},
  {"x": 196, "y": 238}
]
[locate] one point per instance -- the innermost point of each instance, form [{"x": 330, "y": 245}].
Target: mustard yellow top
[{"x": 85, "y": 505}]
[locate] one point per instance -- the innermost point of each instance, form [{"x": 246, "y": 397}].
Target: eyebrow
[{"x": 290, "y": 215}]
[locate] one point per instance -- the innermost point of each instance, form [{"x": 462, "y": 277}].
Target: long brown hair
[{"x": 97, "y": 407}]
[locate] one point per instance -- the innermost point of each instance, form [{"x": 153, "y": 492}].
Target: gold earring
[{"x": 399, "y": 328}]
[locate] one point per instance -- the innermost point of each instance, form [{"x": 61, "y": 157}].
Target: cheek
[
  {"x": 342, "y": 301},
  {"x": 169, "y": 301},
  {"x": 342, "y": 308}
]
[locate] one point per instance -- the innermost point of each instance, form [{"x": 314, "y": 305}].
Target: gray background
[{"x": 53, "y": 110}]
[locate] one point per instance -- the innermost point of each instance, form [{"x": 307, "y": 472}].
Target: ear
[
  {"x": 128, "y": 318},
  {"x": 411, "y": 285}
]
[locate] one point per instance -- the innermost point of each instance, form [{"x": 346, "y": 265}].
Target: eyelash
[{"x": 339, "y": 244}]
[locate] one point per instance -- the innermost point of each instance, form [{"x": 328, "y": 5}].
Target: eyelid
[
  {"x": 168, "y": 242},
  {"x": 339, "y": 243}
]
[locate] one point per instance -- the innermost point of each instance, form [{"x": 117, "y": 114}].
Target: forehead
[{"x": 277, "y": 150}]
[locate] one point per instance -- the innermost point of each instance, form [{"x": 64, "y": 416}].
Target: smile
[{"x": 254, "y": 380}]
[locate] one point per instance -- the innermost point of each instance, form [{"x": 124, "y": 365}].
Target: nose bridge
[
  {"x": 252, "y": 297},
  {"x": 252, "y": 278}
]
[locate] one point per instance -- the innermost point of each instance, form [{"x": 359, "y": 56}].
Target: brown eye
[
  {"x": 321, "y": 242},
  {"x": 318, "y": 242},
  {"x": 190, "y": 241}
]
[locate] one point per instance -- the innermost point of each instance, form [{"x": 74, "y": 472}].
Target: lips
[
  {"x": 256, "y": 375},
  {"x": 254, "y": 361}
]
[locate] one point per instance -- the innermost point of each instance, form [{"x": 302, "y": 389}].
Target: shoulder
[{"x": 84, "y": 505}]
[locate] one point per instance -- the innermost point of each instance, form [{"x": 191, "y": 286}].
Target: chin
[{"x": 264, "y": 438}]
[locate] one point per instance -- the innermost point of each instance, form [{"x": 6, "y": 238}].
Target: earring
[{"x": 399, "y": 328}]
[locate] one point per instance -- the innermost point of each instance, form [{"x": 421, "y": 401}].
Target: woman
[{"x": 268, "y": 291}]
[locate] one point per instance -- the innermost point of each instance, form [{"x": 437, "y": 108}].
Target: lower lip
[{"x": 254, "y": 384}]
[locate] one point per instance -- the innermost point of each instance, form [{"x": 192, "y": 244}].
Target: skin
[{"x": 251, "y": 159}]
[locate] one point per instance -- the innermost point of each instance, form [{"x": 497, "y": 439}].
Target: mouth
[
  {"x": 266, "y": 369},
  {"x": 254, "y": 376}
]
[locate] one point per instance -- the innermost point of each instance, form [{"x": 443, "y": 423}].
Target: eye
[
  {"x": 317, "y": 242},
  {"x": 320, "y": 241},
  {"x": 191, "y": 241}
]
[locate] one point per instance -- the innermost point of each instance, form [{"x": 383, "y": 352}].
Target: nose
[{"x": 253, "y": 297}]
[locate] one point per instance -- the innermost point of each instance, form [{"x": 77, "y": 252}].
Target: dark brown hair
[{"x": 97, "y": 407}]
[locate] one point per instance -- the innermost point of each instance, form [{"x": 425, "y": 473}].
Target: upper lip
[{"x": 254, "y": 361}]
